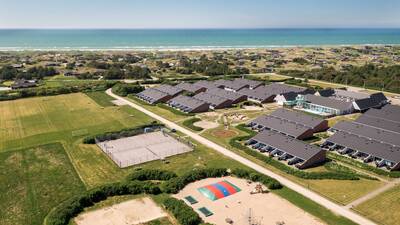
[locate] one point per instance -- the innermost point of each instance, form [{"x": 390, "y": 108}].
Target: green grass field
[
  {"x": 34, "y": 180},
  {"x": 101, "y": 98},
  {"x": 340, "y": 191},
  {"x": 383, "y": 208}
]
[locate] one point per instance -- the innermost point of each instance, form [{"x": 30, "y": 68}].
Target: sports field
[
  {"x": 67, "y": 119},
  {"x": 33, "y": 181}
]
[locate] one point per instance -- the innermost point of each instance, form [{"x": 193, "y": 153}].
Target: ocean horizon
[{"x": 190, "y": 39}]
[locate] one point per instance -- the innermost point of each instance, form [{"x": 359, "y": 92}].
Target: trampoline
[{"x": 218, "y": 190}]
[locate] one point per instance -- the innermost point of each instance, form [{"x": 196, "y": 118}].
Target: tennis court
[{"x": 144, "y": 148}]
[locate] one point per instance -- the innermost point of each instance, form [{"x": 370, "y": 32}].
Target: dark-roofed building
[
  {"x": 170, "y": 90},
  {"x": 153, "y": 96},
  {"x": 295, "y": 152},
  {"x": 188, "y": 104},
  {"x": 231, "y": 85},
  {"x": 288, "y": 99},
  {"x": 207, "y": 84},
  {"x": 361, "y": 101},
  {"x": 235, "y": 97},
  {"x": 22, "y": 83},
  {"x": 388, "y": 112},
  {"x": 252, "y": 84},
  {"x": 315, "y": 123},
  {"x": 278, "y": 88},
  {"x": 191, "y": 88},
  {"x": 322, "y": 105},
  {"x": 381, "y": 123},
  {"x": 285, "y": 127},
  {"x": 367, "y": 150},
  {"x": 215, "y": 101},
  {"x": 374, "y": 133},
  {"x": 258, "y": 95}
]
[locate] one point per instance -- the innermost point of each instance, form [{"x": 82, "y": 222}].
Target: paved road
[{"x": 343, "y": 211}]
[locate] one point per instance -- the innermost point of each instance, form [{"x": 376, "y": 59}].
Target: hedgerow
[
  {"x": 51, "y": 91},
  {"x": 393, "y": 174},
  {"x": 174, "y": 185},
  {"x": 151, "y": 174},
  {"x": 127, "y": 132},
  {"x": 190, "y": 124},
  {"x": 182, "y": 212}
]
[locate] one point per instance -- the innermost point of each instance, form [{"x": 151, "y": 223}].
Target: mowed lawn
[
  {"x": 67, "y": 119},
  {"x": 384, "y": 208},
  {"x": 33, "y": 181}
]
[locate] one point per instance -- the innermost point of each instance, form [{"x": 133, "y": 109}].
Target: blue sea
[{"x": 189, "y": 39}]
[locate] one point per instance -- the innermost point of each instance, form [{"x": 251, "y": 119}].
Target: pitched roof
[
  {"x": 187, "y": 101},
  {"x": 189, "y": 87},
  {"x": 365, "y": 145},
  {"x": 287, "y": 144},
  {"x": 154, "y": 94},
  {"x": 350, "y": 94},
  {"x": 233, "y": 96},
  {"x": 328, "y": 102},
  {"x": 211, "y": 99},
  {"x": 284, "y": 126},
  {"x": 260, "y": 94},
  {"x": 379, "y": 123},
  {"x": 251, "y": 83},
  {"x": 206, "y": 84},
  {"x": 170, "y": 90},
  {"x": 297, "y": 117},
  {"x": 365, "y": 131},
  {"x": 278, "y": 88},
  {"x": 234, "y": 85},
  {"x": 388, "y": 112},
  {"x": 366, "y": 103}
]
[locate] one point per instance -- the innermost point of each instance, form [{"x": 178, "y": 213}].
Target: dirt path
[
  {"x": 373, "y": 193},
  {"x": 343, "y": 211}
]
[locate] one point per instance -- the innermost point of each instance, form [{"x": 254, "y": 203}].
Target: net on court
[{"x": 143, "y": 148}]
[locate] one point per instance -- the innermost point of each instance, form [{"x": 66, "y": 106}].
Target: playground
[
  {"x": 143, "y": 148},
  {"x": 230, "y": 200}
]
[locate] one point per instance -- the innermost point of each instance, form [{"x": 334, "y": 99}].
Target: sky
[{"x": 199, "y": 14}]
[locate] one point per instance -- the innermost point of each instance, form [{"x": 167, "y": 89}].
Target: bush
[
  {"x": 393, "y": 174},
  {"x": 150, "y": 174},
  {"x": 124, "y": 89},
  {"x": 51, "y": 91},
  {"x": 189, "y": 123},
  {"x": 182, "y": 212},
  {"x": 68, "y": 209},
  {"x": 174, "y": 185},
  {"x": 127, "y": 132}
]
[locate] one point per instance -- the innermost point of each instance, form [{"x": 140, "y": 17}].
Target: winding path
[{"x": 340, "y": 210}]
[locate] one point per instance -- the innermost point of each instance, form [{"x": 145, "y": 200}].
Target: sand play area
[
  {"x": 206, "y": 124},
  {"x": 131, "y": 212},
  {"x": 266, "y": 208}
]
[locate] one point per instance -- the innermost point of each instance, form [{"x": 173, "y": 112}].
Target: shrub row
[
  {"x": 190, "y": 124},
  {"x": 333, "y": 175},
  {"x": 174, "y": 185},
  {"x": 63, "y": 213},
  {"x": 393, "y": 174},
  {"x": 124, "y": 89},
  {"x": 127, "y": 132},
  {"x": 150, "y": 174},
  {"x": 51, "y": 91},
  {"x": 182, "y": 212}
]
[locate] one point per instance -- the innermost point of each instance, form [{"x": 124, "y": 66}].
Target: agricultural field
[
  {"x": 383, "y": 208},
  {"x": 33, "y": 181},
  {"x": 340, "y": 191}
]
